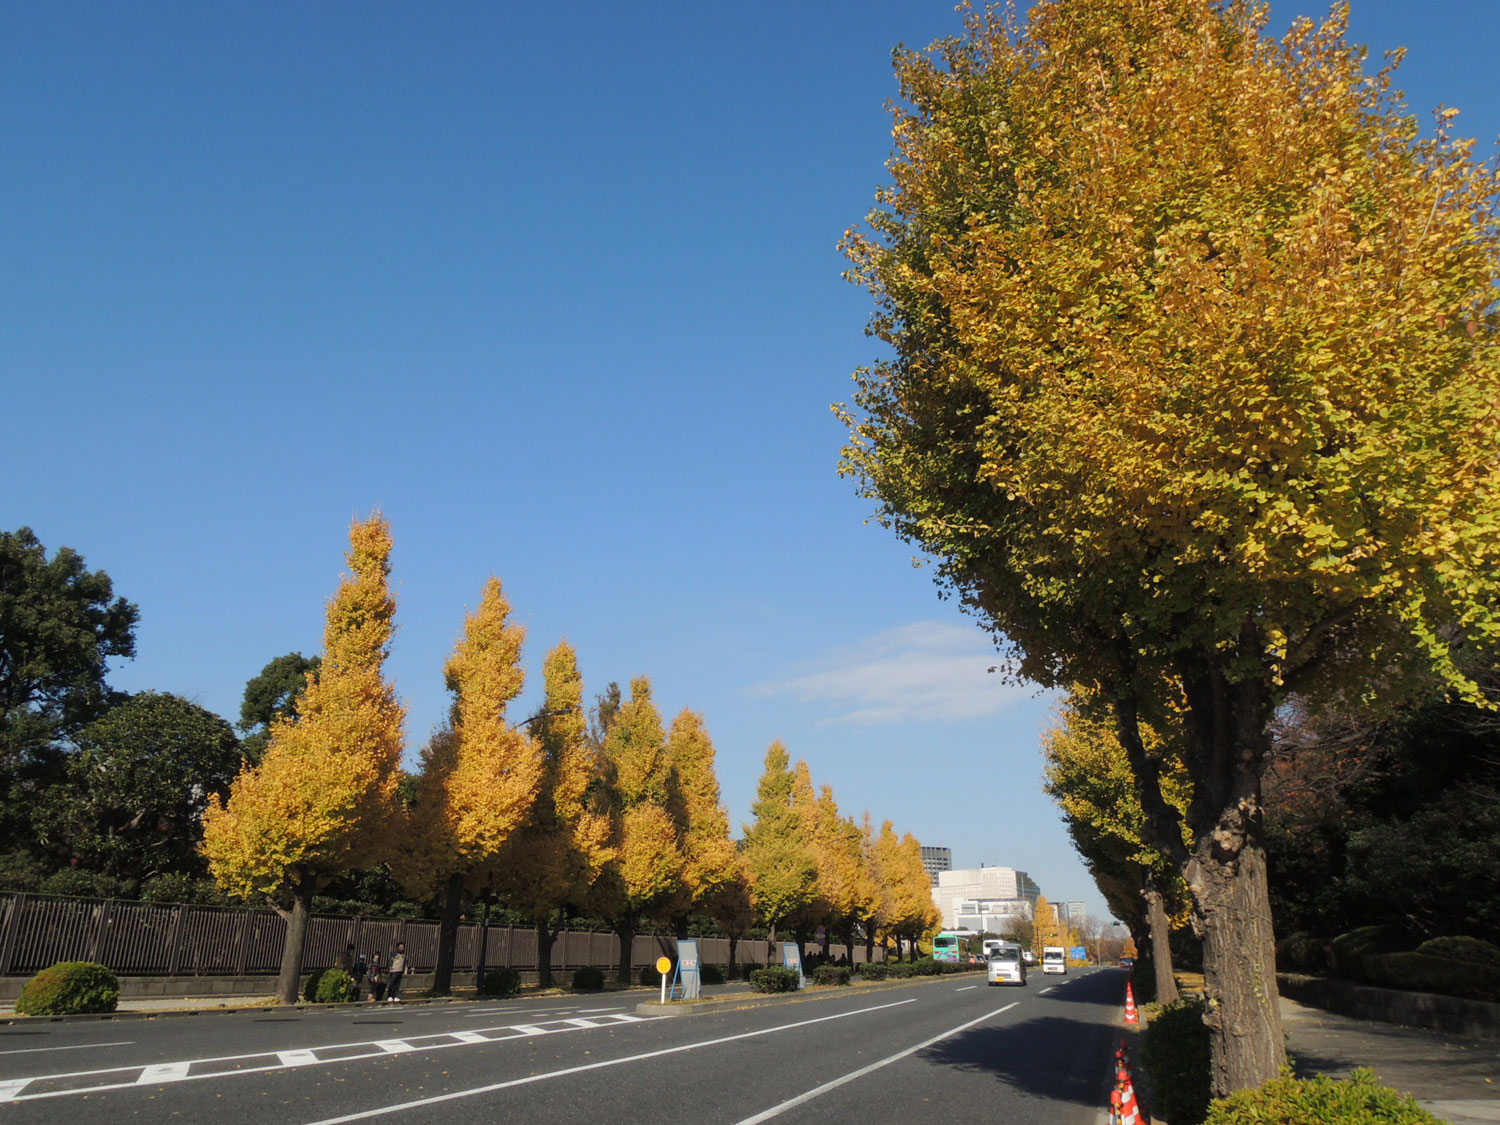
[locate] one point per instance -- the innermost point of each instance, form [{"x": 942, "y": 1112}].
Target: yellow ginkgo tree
[
  {"x": 1088, "y": 774},
  {"x": 549, "y": 866},
  {"x": 322, "y": 799},
  {"x": 479, "y": 777},
  {"x": 1193, "y": 380}
]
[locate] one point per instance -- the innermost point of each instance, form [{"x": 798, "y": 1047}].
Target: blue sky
[{"x": 557, "y": 289}]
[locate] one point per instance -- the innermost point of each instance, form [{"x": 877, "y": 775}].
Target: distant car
[
  {"x": 1029, "y": 957},
  {"x": 1006, "y": 966},
  {"x": 1127, "y": 962}
]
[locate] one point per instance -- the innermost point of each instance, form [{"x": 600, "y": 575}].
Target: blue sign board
[
  {"x": 689, "y": 970},
  {"x": 791, "y": 957},
  {"x": 1078, "y": 953}
]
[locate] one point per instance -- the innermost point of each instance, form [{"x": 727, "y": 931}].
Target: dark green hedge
[
  {"x": 1175, "y": 1052},
  {"x": 774, "y": 978},
  {"x": 69, "y": 988},
  {"x": 330, "y": 986},
  {"x": 1418, "y": 972},
  {"x": 588, "y": 979},
  {"x": 502, "y": 982},
  {"x": 1462, "y": 949}
]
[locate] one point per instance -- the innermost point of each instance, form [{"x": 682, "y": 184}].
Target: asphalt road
[{"x": 945, "y": 1049}]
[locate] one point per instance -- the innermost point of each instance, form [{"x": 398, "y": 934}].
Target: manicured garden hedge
[
  {"x": 1320, "y": 1101},
  {"x": 69, "y": 988}
]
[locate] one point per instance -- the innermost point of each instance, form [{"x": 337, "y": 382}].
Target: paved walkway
[{"x": 1455, "y": 1078}]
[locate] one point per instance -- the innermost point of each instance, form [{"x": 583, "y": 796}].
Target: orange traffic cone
[
  {"x": 1131, "y": 1018},
  {"x": 1115, "y": 1100},
  {"x": 1130, "y": 1109}
]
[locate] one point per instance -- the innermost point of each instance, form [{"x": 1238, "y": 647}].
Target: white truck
[{"x": 1054, "y": 959}]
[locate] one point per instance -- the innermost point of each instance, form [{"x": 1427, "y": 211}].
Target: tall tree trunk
[
  {"x": 734, "y": 943},
  {"x": 544, "y": 939},
  {"x": 869, "y": 941},
  {"x": 1161, "y": 943},
  {"x": 296, "y": 936},
  {"x": 453, "y": 901},
  {"x": 1239, "y": 967},
  {"x": 625, "y": 931}
]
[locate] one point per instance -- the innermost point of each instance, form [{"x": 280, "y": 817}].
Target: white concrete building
[{"x": 983, "y": 898}]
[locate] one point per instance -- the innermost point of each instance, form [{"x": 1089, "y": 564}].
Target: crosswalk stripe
[
  {"x": 297, "y": 1058},
  {"x": 163, "y": 1072},
  {"x": 11, "y": 1087}
]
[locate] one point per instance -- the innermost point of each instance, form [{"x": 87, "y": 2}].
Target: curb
[
  {"x": 9, "y": 1018},
  {"x": 763, "y": 999}
]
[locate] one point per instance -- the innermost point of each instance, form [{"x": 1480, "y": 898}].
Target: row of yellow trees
[{"x": 622, "y": 822}]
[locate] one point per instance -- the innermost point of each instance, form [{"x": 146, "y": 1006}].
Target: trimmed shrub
[
  {"x": 1462, "y": 949},
  {"x": 69, "y": 988},
  {"x": 872, "y": 970},
  {"x": 831, "y": 974},
  {"x": 1175, "y": 1053},
  {"x": 1351, "y": 949},
  {"x": 1300, "y": 953},
  {"x": 502, "y": 982},
  {"x": 774, "y": 978},
  {"x": 1358, "y": 1101},
  {"x": 711, "y": 974},
  {"x": 1417, "y": 972},
  {"x": 588, "y": 979},
  {"x": 335, "y": 987}
]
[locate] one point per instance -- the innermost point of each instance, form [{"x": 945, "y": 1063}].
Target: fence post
[
  {"x": 174, "y": 955},
  {"x": 106, "y": 910},
  {"x": 242, "y": 957},
  {"x": 12, "y": 928}
]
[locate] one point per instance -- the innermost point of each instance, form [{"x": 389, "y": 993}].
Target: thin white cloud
[{"x": 927, "y": 672}]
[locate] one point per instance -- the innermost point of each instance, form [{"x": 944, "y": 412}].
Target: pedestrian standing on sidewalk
[
  {"x": 398, "y": 970},
  {"x": 377, "y": 978}
]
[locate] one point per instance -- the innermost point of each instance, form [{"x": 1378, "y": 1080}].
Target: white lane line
[
  {"x": 162, "y": 1072},
  {"x": 1044, "y": 992},
  {"x": 584, "y": 1023},
  {"x": 529, "y": 1079},
  {"x": 800, "y": 1099},
  {"x": 518, "y": 1011},
  {"x": 12, "y": 1090},
  {"x": 966, "y": 988},
  {"x": 594, "y": 1011},
  {"x": 74, "y": 1047}
]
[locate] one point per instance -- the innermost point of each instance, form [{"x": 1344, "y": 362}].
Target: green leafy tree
[
  {"x": 60, "y": 624},
  {"x": 1192, "y": 382},
  {"x": 135, "y": 787},
  {"x": 273, "y": 695}
]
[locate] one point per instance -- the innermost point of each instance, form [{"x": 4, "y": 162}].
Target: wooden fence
[{"x": 150, "y": 939}]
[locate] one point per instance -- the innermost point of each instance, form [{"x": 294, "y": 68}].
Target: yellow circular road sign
[{"x": 663, "y": 966}]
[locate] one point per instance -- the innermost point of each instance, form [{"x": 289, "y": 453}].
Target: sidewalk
[{"x": 1455, "y": 1078}]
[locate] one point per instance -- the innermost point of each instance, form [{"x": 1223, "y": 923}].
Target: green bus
[{"x": 945, "y": 947}]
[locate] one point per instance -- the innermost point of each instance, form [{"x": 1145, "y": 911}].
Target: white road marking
[
  {"x": 583, "y": 1023},
  {"x": 162, "y": 1072},
  {"x": 800, "y": 1099},
  {"x": 1044, "y": 992},
  {"x": 518, "y": 1011},
  {"x": 590, "y": 1011},
  {"x": 139, "y": 1074},
  {"x": 966, "y": 988},
  {"x": 74, "y": 1047},
  {"x": 529, "y": 1079}
]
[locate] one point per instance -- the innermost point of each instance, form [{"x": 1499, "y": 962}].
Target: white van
[
  {"x": 1005, "y": 965},
  {"x": 1055, "y": 960}
]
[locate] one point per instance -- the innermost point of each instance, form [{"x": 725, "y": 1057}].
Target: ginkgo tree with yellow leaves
[
  {"x": 552, "y": 862},
  {"x": 324, "y": 792},
  {"x": 479, "y": 777},
  {"x": 1089, "y": 776},
  {"x": 1193, "y": 381}
]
